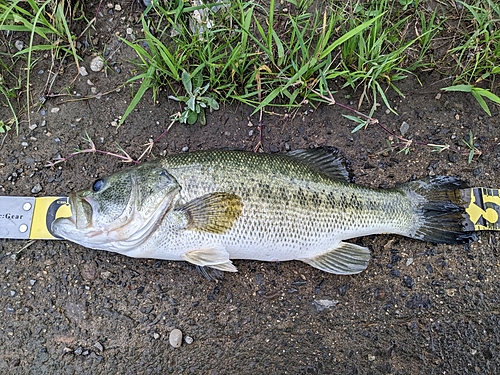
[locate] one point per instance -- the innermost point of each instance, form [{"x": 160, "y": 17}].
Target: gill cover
[{"x": 119, "y": 212}]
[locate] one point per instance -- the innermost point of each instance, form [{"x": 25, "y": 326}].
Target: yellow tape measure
[
  {"x": 46, "y": 210},
  {"x": 483, "y": 209},
  {"x": 31, "y": 218}
]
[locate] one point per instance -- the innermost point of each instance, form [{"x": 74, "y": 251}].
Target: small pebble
[
  {"x": 32, "y": 126},
  {"x": 322, "y": 304},
  {"x": 114, "y": 123},
  {"x": 129, "y": 31},
  {"x": 438, "y": 96},
  {"x": 175, "y": 338},
  {"x": 55, "y": 110},
  {"x": 404, "y": 128},
  {"x": 19, "y": 44},
  {"x": 274, "y": 149},
  {"x": 408, "y": 282},
  {"x": 118, "y": 7},
  {"x": 185, "y": 149},
  {"x": 32, "y": 282},
  {"x": 24, "y": 144},
  {"x": 36, "y": 189},
  {"x": 99, "y": 346},
  {"x": 13, "y": 293},
  {"x": 96, "y": 64},
  {"x": 79, "y": 350},
  {"x": 83, "y": 71},
  {"x": 188, "y": 340},
  {"x": 41, "y": 71},
  {"x": 156, "y": 336},
  {"x": 395, "y": 273}
]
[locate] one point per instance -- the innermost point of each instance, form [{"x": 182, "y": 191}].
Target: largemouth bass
[{"x": 209, "y": 207}]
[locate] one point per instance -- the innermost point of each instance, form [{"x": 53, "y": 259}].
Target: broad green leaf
[
  {"x": 191, "y": 103},
  {"x": 186, "y": 81},
  {"x": 192, "y": 117}
]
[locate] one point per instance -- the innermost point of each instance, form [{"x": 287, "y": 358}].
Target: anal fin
[
  {"x": 345, "y": 259},
  {"x": 213, "y": 257}
]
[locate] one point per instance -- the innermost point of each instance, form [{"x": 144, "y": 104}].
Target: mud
[{"x": 418, "y": 308}]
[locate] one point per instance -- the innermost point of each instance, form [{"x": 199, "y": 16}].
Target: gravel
[
  {"x": 37, "y": 188},
  {"x": 96, "y": 64},
  {"x": 175, "y": 338}
]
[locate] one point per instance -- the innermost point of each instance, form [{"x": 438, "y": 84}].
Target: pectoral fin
[
  {"x": 217, "y": 258},
  {"x": 214, "y": 212},
  {"x": 345, "y": 259}
]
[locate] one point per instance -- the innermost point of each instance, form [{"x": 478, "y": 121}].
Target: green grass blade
[
  {"x": 461, "y": 88},
  {"x": 481, "y": 102},
  {"x": 146, "y": 84},
  {"x": 487, "y": 94},
  {"x": 358, "y": 29}
]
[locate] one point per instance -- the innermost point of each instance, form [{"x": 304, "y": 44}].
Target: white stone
[
  {"x": 83, "y": 71},
  {"x": 19, "y": 44},
  {"x": 96, "y": 64},
  {"x": 175, "y": 338}
]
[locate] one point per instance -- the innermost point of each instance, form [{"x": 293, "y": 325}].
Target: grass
[
  {"x": 277, "y": 54},
  {"x": 477, "y": 55},
  {"x": 46, "y": 24},
  {"x": 245, "y": 56}
]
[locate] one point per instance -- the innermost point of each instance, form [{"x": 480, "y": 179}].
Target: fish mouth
[{"x": 81, "y": 211}]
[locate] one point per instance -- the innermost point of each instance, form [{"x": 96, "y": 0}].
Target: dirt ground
[{"x": 418, "y": 308}]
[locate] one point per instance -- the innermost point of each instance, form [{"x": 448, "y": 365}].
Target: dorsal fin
[{"x": 327, "y": 160}]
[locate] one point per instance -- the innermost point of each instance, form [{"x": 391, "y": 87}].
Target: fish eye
[{"x": 98, "y": 185}]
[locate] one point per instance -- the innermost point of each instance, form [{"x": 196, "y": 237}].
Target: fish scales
[
  {"x": 287, "y": 206},
  {"x": 209, "y": 207}
]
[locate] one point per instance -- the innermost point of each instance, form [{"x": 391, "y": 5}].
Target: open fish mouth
[{"x": 81, "y": 211}]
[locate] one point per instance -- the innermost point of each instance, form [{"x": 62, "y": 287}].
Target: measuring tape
[
  {"x": 31, "y": 218},
  {"x": 483, "y": 209}
]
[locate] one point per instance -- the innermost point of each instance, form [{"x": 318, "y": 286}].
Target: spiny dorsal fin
[
  {"x": 214, "y": 212},
  {"x": 345, "y": 259},
  {"x": 213, "y": 257},
  {"x": 325, "y": 160}
]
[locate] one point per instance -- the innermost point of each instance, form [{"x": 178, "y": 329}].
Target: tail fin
[{"x": 441, "y": 209}]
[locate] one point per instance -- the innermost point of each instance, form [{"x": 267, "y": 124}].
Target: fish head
[{"x": 120, "y": 211}]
